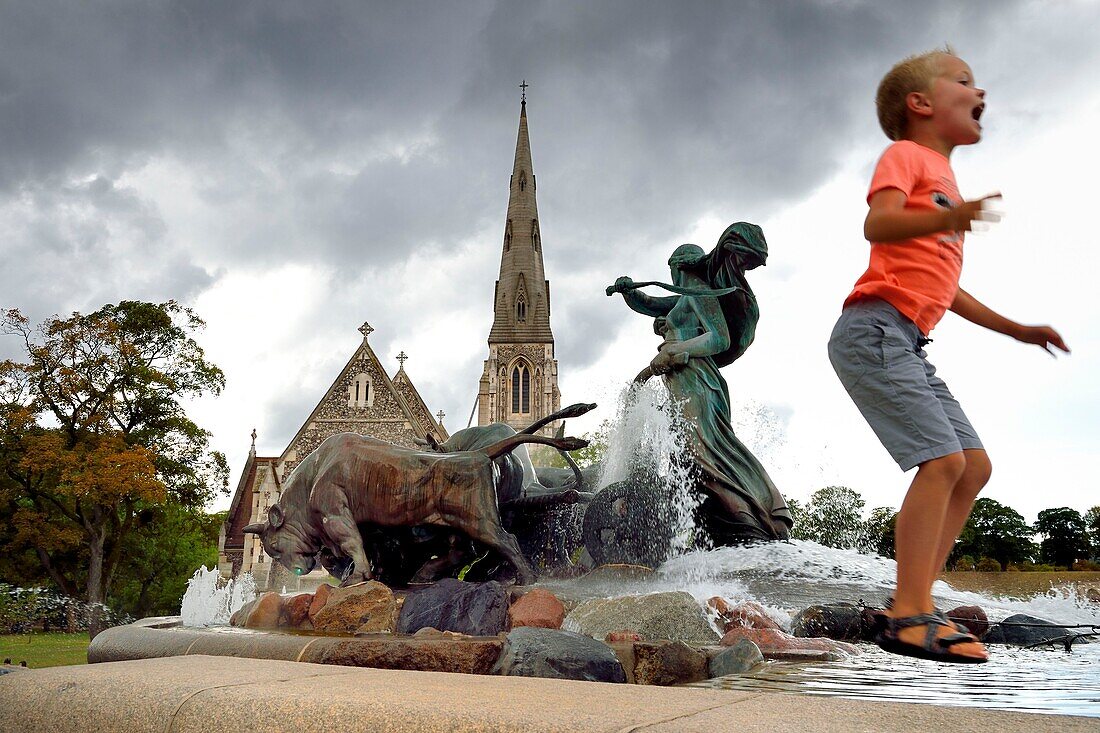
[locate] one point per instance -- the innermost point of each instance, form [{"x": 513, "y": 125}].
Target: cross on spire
[
  {"x": 524, "y": 86},
  {"x": 441, "y": 415},
  {"x": 402, "y": 358},
  {"x": 366, "y": 330}
]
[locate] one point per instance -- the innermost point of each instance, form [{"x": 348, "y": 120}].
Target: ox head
[{"x": 287, "y": 542}]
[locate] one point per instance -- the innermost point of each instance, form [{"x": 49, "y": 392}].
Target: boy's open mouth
[{"x": 976, "y": 113}]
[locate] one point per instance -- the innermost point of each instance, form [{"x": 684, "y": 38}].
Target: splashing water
[
  {"x": 647, "y": 436},
  {"x": 210, "y": 600}
]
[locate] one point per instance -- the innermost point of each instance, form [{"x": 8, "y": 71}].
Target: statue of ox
[{"x": 352, "y": 480}]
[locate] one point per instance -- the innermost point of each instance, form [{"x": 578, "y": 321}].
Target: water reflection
[{"x": 1024, "y": 680}]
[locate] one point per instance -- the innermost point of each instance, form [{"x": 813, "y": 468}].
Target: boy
[{"x": 928, "y": 104}]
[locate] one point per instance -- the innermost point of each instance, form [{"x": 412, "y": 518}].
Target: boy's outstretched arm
[
  {"x": 967, "y": 306},
  {"x": 889, "y": 221}
]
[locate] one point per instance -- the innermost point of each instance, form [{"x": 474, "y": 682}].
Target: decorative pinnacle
[
  {"x": 366, "y": 330},
  {"x": 441, "y": 415},
  {"x": 523, "y": 86},
  {"x": 253, "y": 450},
  {"x": 402, "y": 358}
]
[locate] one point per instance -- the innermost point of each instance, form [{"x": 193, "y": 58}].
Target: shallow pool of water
[{"x": 1024, "y": 680}]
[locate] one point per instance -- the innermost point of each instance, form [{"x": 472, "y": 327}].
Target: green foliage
[
  {"x": 965, "y": 563},
  {"x": 591, "y": 455},
  {"x": 1092, "y": 524},
  {"x": 832, "y": 518},
  {"x": 160, "y": 557},
  {"x": 1065, "y": 536},
  {"x": 994, "y": 531},
  {"x": 878, "y": 531},
  {"x": 988, "y": 565}
]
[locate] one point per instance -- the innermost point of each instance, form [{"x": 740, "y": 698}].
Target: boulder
[
  {"x": 362, "y": 607},
  {"x": 673, "y": 616},
  {"x": 320, "y": 598},
  {"x": 668, "y": 663},
  {"x": 622, "y": 635},
  {"x": 296, "y": 611},
  {"x": 530, "y": 651},
  {"x": 1032, "y": 630},
  {"x": 477, "y": 609},
  {"x": 263, "y": 613},
  {"x": 973, "y": 618},
  {"x": 834, "y": 621},
  {"x": 770, "y": 640},
  {"x": 736, "y": 659},
  {"x": 539, "y": 607},
  {"x": 747, "y": 614},
  {"x": 442, "y": 653}
]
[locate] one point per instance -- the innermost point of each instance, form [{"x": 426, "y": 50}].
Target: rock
[
  {"x": 623, "y": 635},
  {"x": 736, "y": 659},
  {"x": 296, "y": 611},
  {"x": 320, "y": 598},
  {"x": 530, "y": 651},
  {"x": 770, "y": 640},
  {"x": 973, "y": 618},
  {"x": 673, "y": 616},
  {"x": 872, "y": 621},
  {"x": 239, "y": 616},
  {"x": 265, "y": 612},
  {"x": 362, "y": 607},
  {"x": 1035, "y": 631},
  {"x": 834, "y": 621},
  {"x": 539, "y": 607},
  {"x": 668, "y": 663},
  {"x": 433, "y": 654},
  {"x": 477, "y": 609},
  {"x": 803, "y": 655},
  {"x": 748, "y": 614}
]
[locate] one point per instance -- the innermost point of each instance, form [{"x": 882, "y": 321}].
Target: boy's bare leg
[
  {"x": 920, "y": 527},
  {"x": 975, "y": 477}
]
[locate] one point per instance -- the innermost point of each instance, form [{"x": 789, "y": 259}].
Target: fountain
[{"x": 677, "y": 571}]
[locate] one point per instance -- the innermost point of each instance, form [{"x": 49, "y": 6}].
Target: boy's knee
[
  {"x": 948, "y": 469},
  {"x": 978, "y": 468}
]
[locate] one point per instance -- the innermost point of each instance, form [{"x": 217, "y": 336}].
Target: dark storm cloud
[{"x": 349, "y": 135}]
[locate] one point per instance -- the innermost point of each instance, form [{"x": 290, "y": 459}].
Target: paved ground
[{"x": 204, "y": 694}]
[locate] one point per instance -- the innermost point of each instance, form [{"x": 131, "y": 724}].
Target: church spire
[{"x": 521, "y": 308}]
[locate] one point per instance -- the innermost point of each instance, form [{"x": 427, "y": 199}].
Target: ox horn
[{"x": 257, "y": 528}]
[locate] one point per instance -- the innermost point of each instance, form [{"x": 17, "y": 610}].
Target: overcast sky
[{"x": 291, "y": 170}]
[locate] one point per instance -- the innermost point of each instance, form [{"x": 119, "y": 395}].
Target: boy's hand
[
  {"x": 962, "y": 217},
  {"x": 1044, "y": 336}
]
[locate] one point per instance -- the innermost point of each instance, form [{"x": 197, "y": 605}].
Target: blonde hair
[{"x": 913, "y": 74}]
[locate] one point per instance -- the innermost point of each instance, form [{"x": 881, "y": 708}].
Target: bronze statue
[
  {"x": 708, "y": 323},
  {"x": 353, "y": 480}
]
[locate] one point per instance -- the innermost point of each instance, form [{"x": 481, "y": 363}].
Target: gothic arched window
[
  {"x": 535, "y": 234},
  {"x": 521, "y": 309},
  {"x": 508, "y": 236},
  {"x": 359, "y": 392},
  {"x": 521, "y": 389}
]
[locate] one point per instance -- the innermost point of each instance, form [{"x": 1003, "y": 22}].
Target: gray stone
[
  {"x": 674, "y": 616},
  {"x": 363, "y": 607},
  {"x": 477, "y": 609},
  {"x": 736, "y": 659},
  {"x": 530, "y": 651},
  {"x": 841, "y": 621},
  {"x": 1034, "y": 631}
]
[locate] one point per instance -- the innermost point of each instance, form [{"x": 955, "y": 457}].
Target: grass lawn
[{"x": 45, "y": 649}]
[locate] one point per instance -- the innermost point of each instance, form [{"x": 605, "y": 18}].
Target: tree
[
  {"x": 1092, "y": 523},
  {"x": 93, "y": 433},
  {"x": 995, "y": 531},
  {"x": 1065, "y": 536},
  {"x": 832, "y": 518},
  {"x": 878, "y": 531}
]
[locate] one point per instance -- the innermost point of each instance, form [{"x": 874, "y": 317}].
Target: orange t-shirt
[{"x": 918, "y": 276}]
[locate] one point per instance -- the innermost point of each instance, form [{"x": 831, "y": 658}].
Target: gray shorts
[{"x": 877, "y": 353}]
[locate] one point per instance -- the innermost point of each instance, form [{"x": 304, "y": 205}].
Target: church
[{"x": 519, "y": 383}]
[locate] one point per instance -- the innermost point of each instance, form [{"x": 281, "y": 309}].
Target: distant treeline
[{"x": 996, "y": 537}]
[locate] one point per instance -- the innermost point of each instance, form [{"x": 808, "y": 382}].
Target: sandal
[
  {"x": 959, "y": 627},
  {"x": 935, "y": 648}
]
